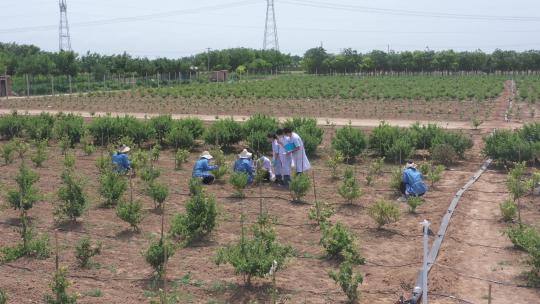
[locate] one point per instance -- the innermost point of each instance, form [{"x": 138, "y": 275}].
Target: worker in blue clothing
[
  {"x": 120, "y": 160},
  {"x": 203, "y": 168},
  {"x": 244, "y": 164},
  {"x": 412, "y": 183}
]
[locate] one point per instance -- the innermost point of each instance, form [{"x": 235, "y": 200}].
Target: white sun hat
[
  {"x": 206, "y": 155},
  {"x": 244, "y": 154},
  {"x": 124, "y": 149},
  {"x": 410, "y": 164}
]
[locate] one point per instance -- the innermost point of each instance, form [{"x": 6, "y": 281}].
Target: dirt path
[{"x": 368, "y": 123}]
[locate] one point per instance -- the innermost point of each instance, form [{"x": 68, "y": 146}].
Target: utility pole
[
  {"x": 270, "y": 41},
  {"x": 64, "y": 41},
  {"x": 208, "y": 58}
]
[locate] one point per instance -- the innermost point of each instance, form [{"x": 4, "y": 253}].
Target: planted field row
[
  {"x": 528, "y": 88},
  {"x": 345, "y": 87}
]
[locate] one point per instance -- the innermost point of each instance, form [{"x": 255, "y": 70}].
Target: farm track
[{"x": 323, "y": 121}]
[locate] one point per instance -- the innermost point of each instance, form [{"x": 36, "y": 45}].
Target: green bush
[
  {"x": 224, "y": 132},
  {"x": 523, "y": 237},
  {"x": 32, "y": 246},
  {"x": 26, "y": 194},
  {"x": 131, "y": 213},
  {"x": 401, "y": 149},
  {"x": 239, "y": 181},
  {"x": 507, "y": 146},
  {"x": 112, "y": 187},
  {"x": 382, "y": 138},
  {"x": 340, "y": 243},
  {"x": 41, "y": 154},
  {"x": 255, "y": 130},
  {"x": 333, "y": 161},
  {"x": 195, "y": 186},
  {"x": 347, "y": 280},
  {"x": 12, "y": 125},
  {"x": 384, "y": 213},
  {"x": 349, "y": 141},
  {"x": 59, "y": 288},
  {"x": 307, "y": 129},
  {"x": 40, "y": 128},
  {"x": 414, "y": 202},
  {"x": 434, "y": 174},
  {"x": 299, "y": 187},
  {"x": 221, "y": 162},
  {"x": 158, "y": 192},
  {"x": 254, "y": 256},
  {"x": 149, "y": 174},
  {"x": 73, "y": 200},
  {"x": 139, "y": 130},
  {"x": 443, "y": 154},
  {"x": 320, "y": 213},
  {"x": 85, "y": 250},
  {"x": 395, "y": 180},
  {"x": 3, "y": 297},
  {"x": 161, "y": 125},
  {"x": 457, "y": 140},
  {"x": 258, "y": 142},
  {"x": 155, "y": 255},
  {"x": 508, "y": 210},
  {"x": 8, "y": 150},
  {"x": 349, "y": 188},
  {"x": 106, "y": 130},
  {"x": 198, "y": 220},
  {"x": 194, "y": 125},
  {"x": 375, "y": 169},
  {"x": 179, "y": 138},
  {"x": 69, "y": 126},
  {"x": 423, "y": 135},
  {"x": 180, "y": 157}
]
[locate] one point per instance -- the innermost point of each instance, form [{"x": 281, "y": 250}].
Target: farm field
[
  {"x": 474, "y": 253},
  {"x": 452, "y": 98}
]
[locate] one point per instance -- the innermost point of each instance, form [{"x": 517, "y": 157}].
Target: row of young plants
[
  {"x": 345, "y": 87},
  {"x": 528, "y": 88},
  {"x": 505, "y": 146},
  {"x": 525, "y": 237}
]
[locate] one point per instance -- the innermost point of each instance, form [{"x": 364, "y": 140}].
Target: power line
[
  {"x": 133, "y": 18},
  {"x": 401, "y": 12}
]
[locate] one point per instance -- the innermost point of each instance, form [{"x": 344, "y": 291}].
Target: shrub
[
  {"x": 12, "y": 125},
  {"x": 347, "y": 280},
  {"x": 523, "y": 237},
  {"x": 33, "y": 246},
  {"x": 161, "y": 125},
  {"x": 508, "y": 210},
  {"x": 340, "y": 243},
  {"x": 414, "y": 202},
  {"x": 221, "y": 162},
  {"x": 194, "y": 125},
  {"x": 507, "y": 146},
  {"x": 41, "y": 154},
  {"x": 69, "y": 160},
  {"x": 179, "y": 138},
  {"x": 88, "y": 145},
  {"x": 40, "y": 127},
  {"x": 349, "y": 141},
  {"x": 158, "y": 192},
  {"x": 530, "y": 132},
  {"x": 104, "y": 163},
  {"x": 131, "y": 213},
  {"x": 395, "y": 180},
  {"x": 457, "y": 140},
  {"x": 85, "y": 250},
  {"x": 239, "y": 181},
  {"x": 224, "y": 132},
  {"x": 106, "y": 130},
  {"x": 401, "y": 149},
  {"x": 7, "y": 152},
  {"x": 255, "y": 130},
  {"x": 149, "y": 174},
  {"x": 384, "y": 213},
  {"x": 69, "y": 126},
  {"x": 139, "y": 130},
  {"x": 59, "y": 288},
  {"x": 258, "y": 142},
  {"x": 382, "y": 138},
  {"x": 180, "y": 158},
  {"x": 112, "y": 187},
  {"x": 374, "y": 170},
  {"x": 349, "y": 188},
  {"x": 26, "y": 194},
  {"x": 423, "y": 135},
  {"x": 199, "y": 219},
  {"x": 139, "y": 159},
  {"x": 155, "y": 152},
  {"x": 254, "y": 256},
  {"x": 443, "y": 154},
  {"x": 21, "y": 147},
  {"x": 155, "y": 254},
  {"x": 320, "y": 213},
  {"x": 335, "y": 158},
  {"x": 3, "y": 297},
  {"x": 195, "y": 186},
  {"x": 308, "y": 130},
  {"x": 72, "y": 198},
  {"x": 299, "y": 187},
  {"x": 434, "y": 174}
]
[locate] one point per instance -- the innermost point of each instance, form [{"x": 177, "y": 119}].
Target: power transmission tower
[
  {"x": 64, "y": 38},
  {"x": 270, "y": 29}
]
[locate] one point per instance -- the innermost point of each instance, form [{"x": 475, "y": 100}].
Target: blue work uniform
[
  {"x": 202, "y": 168},
  {"x": 245, "y": 165},
  {"x": 121, "y": 163},
  {"x": 414, "y": 182}
]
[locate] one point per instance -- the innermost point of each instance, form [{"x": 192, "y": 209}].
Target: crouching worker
[
  {"x": 412, "y": 183},
  {"x": 244, "y": 164},
  {"x": 265, "y": 164},
  {"x": 202, "y": 168},
  {"x": 120, "y": 160}
]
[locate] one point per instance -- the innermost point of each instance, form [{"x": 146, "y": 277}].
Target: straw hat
[
  {"x": 410, "y": 164},
  {"x": 124, "y": 149},
  {"x": 206, "y": 155},
  {"x": 244, "y": 154}
]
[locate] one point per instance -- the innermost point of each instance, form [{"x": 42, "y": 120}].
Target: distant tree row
[
  {"x": 317, "y": 60},
  {"x": 28, "y": 59}
]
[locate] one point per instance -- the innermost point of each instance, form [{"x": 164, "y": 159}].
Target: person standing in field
[
  {"x": 297, "y": 151},
  {"x": 120, "y": 160},
  {"x": 284, "y": 157},
  {"x": 276, "y": 161},
  {"x": 203, "y": 168}
]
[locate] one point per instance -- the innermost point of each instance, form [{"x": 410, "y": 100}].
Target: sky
[{"x": 177, "y": 28}]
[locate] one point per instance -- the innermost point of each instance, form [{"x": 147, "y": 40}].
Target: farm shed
[
  {"x": 219, "y": 76},
  {"x": 5, "y": 86}
]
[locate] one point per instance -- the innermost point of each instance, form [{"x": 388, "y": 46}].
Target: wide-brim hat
[
  {"x": 244, "y": 154},
  {"x": 410, "y": 164},
  {"x": 206, "y": 155},
  {"x": 124, "y": 149}
]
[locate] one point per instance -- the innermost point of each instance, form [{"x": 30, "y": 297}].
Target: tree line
[{"x": 18, "y": 59}]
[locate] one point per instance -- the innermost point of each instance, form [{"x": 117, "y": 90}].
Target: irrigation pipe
[{"x": 439, "y": 238}]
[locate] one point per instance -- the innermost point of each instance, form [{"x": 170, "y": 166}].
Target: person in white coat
[
  {"x": 284, "y": 157},
  {"x": 297, "y": 151},
  {"x": 276, "y": 161}
]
